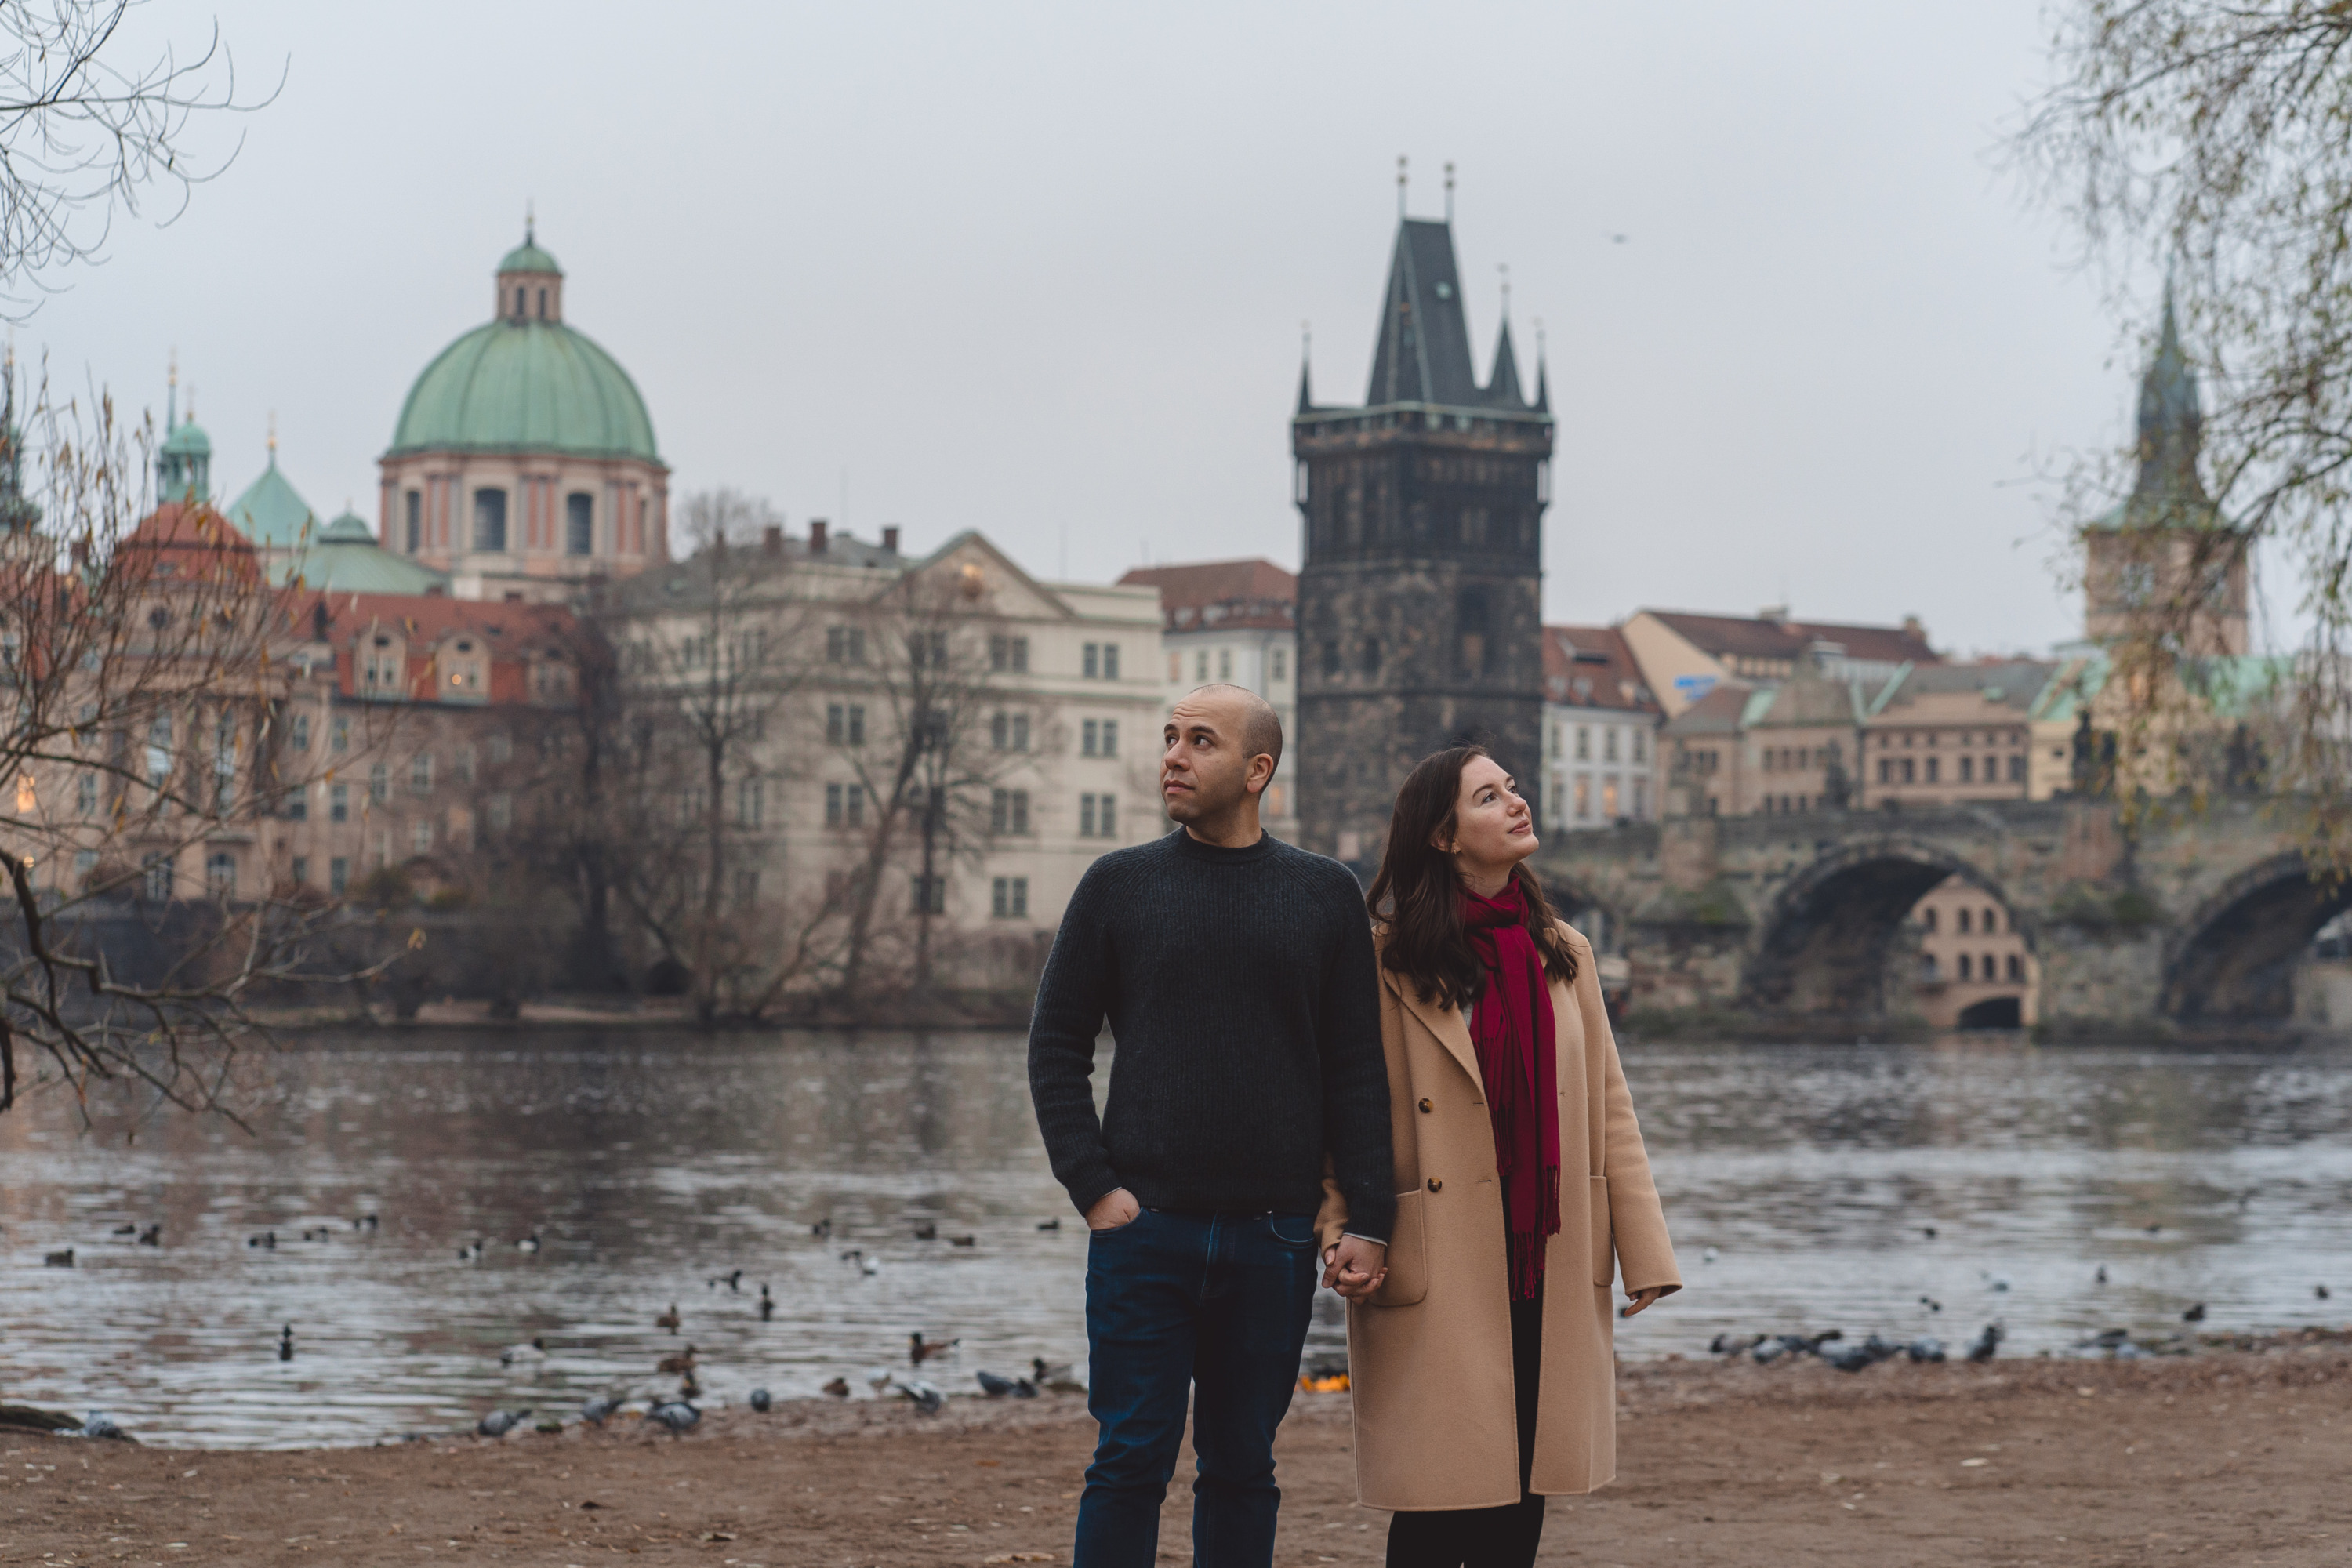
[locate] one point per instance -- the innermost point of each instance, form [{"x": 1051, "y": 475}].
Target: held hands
[
  {"x": 1355, "y": 1267},
  {"x": 1114, "y": 1208}
]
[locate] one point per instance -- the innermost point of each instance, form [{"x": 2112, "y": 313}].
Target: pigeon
[
  {"x": 670, "y": 1319},
  {"x": 98, "y": 1424},
  {"x": 853, "y": 1255},
  {"x": 2101, "y": 1277},
  {"x": 1928, "y": 1231},
  {"x": 1710, "y": 1256},
  {"x": 927, "y": 1398},
  {"x": 367, "y": 1220},
  {"x": 2195, "y": 1314},
  {"x": 1927, "y": 1348},
  {"x": 880, "y": 1379},
  {"x": 498, "y": 1423},
  {"x": 767, "y": 1305},
  {"x": 928, "y": 1231},
  {"x": 997, "y": 1387},
  {"x": 760, "y": 1400},
  {"x": 152, "y": 1236},
  {"x": 598, "y": 1409},
  {"x": 1849, "y": 1358},
  {"x": 1049, "y": 1224},
  {"x": 963, "y": 1241},
  {"x": 2108, "y": 1339},
  {"x": 1733, "y": 1344},
  {"x": 1987, "y": 1343},
  {"x": 124, "y": 1230},
  {"x": 919, "y": 1353},
  {"x": 471, "y": 1252},
  {"x": 676, "y": 1415},
  {"x": 2155, "y": 1229},
  {"x": 58, "y": 1259},
  {"x": 1995, "y": 1281},
  {"x": 266, "y": 1241},
  {"x": 870, "y": 1266},
  {"x": 285, "y": 1343},
  {"x": 672, "y": 1365},
  {"x": 529, "y": 1243},
  {"x": 837, "y": 1389},
  {"x": 823, "y": 1227},
  {"x": 1767, "y": 1351},
  {"x": 2319, "y": 1292},
  {"x": 514, "y": 1355}
]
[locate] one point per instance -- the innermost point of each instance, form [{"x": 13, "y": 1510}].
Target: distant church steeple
[{"x": 184, "y": 465}]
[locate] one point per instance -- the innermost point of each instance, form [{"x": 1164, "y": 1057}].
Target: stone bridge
[{"x": 2179, "y": 918}]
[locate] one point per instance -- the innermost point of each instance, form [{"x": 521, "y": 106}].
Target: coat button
[
  {"x": 1434, "y": 1184},
  {"x": 1425, "y": 1108}
]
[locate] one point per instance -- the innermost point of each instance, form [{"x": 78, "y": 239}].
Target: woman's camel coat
[{"x": 1429, "y": 1355}]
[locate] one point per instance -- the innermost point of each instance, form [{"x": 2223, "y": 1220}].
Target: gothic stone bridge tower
[{"x": 1419, "y": 600}]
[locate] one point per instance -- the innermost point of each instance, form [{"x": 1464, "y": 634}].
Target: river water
[{"x": 650, "y": 1164}]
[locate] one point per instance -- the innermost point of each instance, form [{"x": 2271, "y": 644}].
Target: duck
[
  {"x": 2101, "y": 1277},
  {"x": 963, "y": 1241},
  {"x": 997, "y": 1387},
  {"x": 927, "y": 1231},
  {"x": 58, "y": 1259},
  {"x": 2319, "y": 1292},
  {"x": 471, "y": 1252},
  {"x": 1044, "y": 1373},
  {"x": 2196, "y": 1314},
  {"x": 124, "y": 1230},
  {"x": 823, "y": 1227},
  {"x": 498, "y": 1423},
  {"x": 732, "y": 1281},
  {"x": 853, "y": 1255},
  {"x": 760, "y": 1400},
  {"x": 919, "y": 1353},
  {"x": 152, "y": 1236},
  {"x": 364, "y": 1222},
  {"x": 926, "y": 1398},
  {"x": 688, "y": 1387},
  {"x": 286, "y": 1342},
  {"x": 676, "y": 1415},
  {"x": 767, "y": 1305},
  {"x": 672, "y": 1364},
  {"x": 267, "y": 1240},
  {"x": 598, "y": 1409},
  {"x": 670, "y": 1319},
  {"x": 529, "y": 1243},
  {"x": 837, "y": 1389},
  {"x": 1049, "y": 1224},
  {"x": 1987, "y": 1343},
  {"x": 533, "y": 1350},
  {"x": 869, "y": 1266}
]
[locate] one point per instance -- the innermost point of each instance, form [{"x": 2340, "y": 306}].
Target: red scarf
[{"x": 1511, "y": 1024}]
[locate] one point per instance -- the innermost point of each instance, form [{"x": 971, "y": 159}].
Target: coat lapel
[{"x": 1452, "y": 1029}]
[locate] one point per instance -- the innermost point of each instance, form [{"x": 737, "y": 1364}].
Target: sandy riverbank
[{"x": 2228, "y": 1457}]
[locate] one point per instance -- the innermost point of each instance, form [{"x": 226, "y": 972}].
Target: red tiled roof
[
  {"x": 1590, "y": 666},
  {"x": 509, "y": 630},
  {"x": 1253, "y": 592},
  {"x": 1750, "y": 637},
  {"x": 188, "y": 540}
]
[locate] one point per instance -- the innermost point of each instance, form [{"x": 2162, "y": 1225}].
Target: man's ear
[{"x": 1257, "y": 778}]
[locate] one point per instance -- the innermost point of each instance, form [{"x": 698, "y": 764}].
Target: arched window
[
  {"x": 1960, "y": 921},
  {"x": 518, "y": 292},
  {"x": 1991, "y": 923},
  {"x": 542, "y": 304},
  {"x": 2016, "y": 968},
  {"x": 1964, "y": 966}
]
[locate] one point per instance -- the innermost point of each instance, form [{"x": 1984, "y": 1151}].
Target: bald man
[{"x": 1236, "y": 974}]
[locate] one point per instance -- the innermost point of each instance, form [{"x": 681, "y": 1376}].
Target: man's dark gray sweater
[{"x": 1244, "y": 1006}]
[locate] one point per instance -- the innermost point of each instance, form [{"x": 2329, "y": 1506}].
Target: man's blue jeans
[{"x": 1218, "y": 1304}]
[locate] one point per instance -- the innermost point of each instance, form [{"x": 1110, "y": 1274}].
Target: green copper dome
[
  {"x": 271, "y": 513},
  {"x": 525, "y": 386}
]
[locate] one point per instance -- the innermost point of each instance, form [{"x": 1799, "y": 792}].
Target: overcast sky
[{"x": 1040, "y": 269}]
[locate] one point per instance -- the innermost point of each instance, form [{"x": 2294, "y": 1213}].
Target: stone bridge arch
[
  {"x": 1826, "y": 935},
  {"x": 2232, "y": 959}
]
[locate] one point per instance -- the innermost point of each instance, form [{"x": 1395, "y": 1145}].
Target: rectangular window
[
  {"x": 1908, "y": 773},
  {"x": 1932, "y": 762},
  {"x": 1641, "y": 747},
  {"x": 1085, "y": 816},
  {"x": 1640, "y": 798},
  {"x": 297, "y": 806},
  {"x": 1008, "y": 898},
  {"x": 86, "y": 795},
  {"x": 1583, "y": 796},
  {"x": 2017, "y": 769},
  {"x": 501, "y": 812},
  {"x": 1089, "y": 738},
  {"x": 339, "y": 875},
  {"x": 1609, "y": 744},
  {"x": 378, "y": 783},
  {"x": 1091, "y": 662},
  {"x": 1110, "y": 736},
  {"x": 928, "y": 894},
  {"x": 339, "y": 803},
  {"x": 1010, "y": 654},
  {"x": 1200, "y": 665},
  {"x": 339, "y": 734},
  {"x": 420, "y": 774},
  {"x": 1609, "y": 796},
  {"x": 501, "y": 747},
  {"x": 1097, "y": 816},
  {"x": 750, "y": 797},
  {"x": 844, "y": 645},
  {"x": 836, "y": 724},
  {"x": 490, "y": 520},
  {"x": 1110, "y": 661},
  {"x": 1967, "y": 770},
  {"x": 1583, "y": 743},
  {"x": 301, "y": 871},
  {"x": 579, "y": 523},
  {"x": 415, "y": 520},
  {"x": 85, "y": 863},
  {"x": 420, "y": 836},
  {"x": 465, "y": 764},
  {"x": 1281, "y": 664},
  {"x": 1224, "y": 664},
  {"x": 1008, "y": 811},
  {"x": 298, "y": 736}
]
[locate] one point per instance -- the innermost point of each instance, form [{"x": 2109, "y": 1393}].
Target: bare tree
[
  {"x": 142, "y": 685},
  {"x": 2208, "y": 138},
  {"x": 928, "y": 767},
  {"x": 89, "y": 127},
  {"x": 711, "y": 654}
]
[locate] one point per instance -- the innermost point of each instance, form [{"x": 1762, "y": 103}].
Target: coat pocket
[
  {"x": 1408, "y": 1255},
  {"x": 1605, "y": 1253}
]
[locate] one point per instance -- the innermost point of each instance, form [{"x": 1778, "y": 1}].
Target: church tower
[{"x": 1420, "y": 614}]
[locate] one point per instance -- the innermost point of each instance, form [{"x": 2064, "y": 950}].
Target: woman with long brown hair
[{"x": 1481, "y": 1364}]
